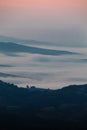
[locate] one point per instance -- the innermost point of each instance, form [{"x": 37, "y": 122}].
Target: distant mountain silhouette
[
  {"x": 31, "y": 107},
  {"x": 12, "y": 49}
]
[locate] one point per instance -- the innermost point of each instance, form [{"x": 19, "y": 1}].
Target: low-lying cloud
[{"x": 13, "y": 48}]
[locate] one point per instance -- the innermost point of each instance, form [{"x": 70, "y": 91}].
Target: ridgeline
[{"x": 35, "y": 108}]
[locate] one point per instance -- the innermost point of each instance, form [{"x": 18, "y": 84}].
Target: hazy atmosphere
[
  {"x": 62, "y": 21},
  {"x": 43, "y": 42}
]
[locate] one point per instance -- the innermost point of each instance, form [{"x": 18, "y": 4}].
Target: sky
[
  {"x": 57, "y": 22},
  {"x": 44, "y": 20}
]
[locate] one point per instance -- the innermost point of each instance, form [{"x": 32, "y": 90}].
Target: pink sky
[
  {"x": 53, "y": 4},
  {"x": 42, "y": 14}
]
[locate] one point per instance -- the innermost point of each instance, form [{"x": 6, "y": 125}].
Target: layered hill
[{"x": 33, "y": 107}]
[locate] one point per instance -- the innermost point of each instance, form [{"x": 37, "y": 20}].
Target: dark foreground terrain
[{"x": 34, "y": 108}]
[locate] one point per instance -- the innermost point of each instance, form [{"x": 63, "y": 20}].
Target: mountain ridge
[{"x": 31, "y": 107}]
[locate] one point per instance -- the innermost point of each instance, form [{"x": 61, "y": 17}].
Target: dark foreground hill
[{"x": 34, "y": 108}]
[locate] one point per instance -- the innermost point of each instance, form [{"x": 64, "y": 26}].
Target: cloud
[
  {"x": 13, "y": 48},
  {"x": 4, "y": 65},
  {"x": 77, "y": 79},
  {"x": 42, "y": 59},
  {"x": 36, "y": 76},
  {"x": 83, "y": 60},
  {"x": 5, "y": 75}
]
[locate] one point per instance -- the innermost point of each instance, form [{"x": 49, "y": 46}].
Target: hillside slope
[{"x": 25, "y": 108}]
